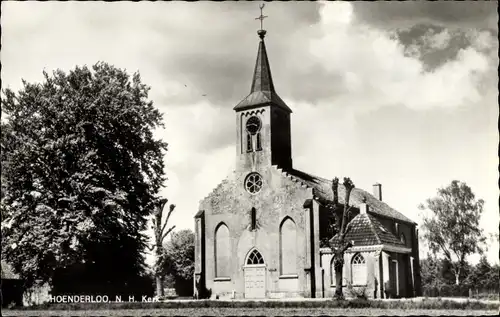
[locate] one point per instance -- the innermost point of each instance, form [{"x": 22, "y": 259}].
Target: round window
[
  {"x": 253, "y": 125},
  {"x": 253, "y": 183}
]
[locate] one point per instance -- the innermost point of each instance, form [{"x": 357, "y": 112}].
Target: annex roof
[{"x": 366, "y": 230}]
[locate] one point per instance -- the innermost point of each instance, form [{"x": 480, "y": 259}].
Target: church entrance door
[{"x": 255, "y": 275}]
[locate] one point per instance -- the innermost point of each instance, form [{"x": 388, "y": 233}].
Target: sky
[{"x": 404, "y": 94}]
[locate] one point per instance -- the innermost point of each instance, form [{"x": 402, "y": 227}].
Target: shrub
[{"x": 356, "y": 292}]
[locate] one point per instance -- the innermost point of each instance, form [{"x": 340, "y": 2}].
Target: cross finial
[{"x": 261, "y": 32}]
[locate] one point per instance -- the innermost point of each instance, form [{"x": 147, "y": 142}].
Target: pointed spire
[
  {"x": 262, "y": 79},
  {"x": 262, "y": 90}
]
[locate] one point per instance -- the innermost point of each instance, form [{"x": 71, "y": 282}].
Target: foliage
[
  {"x": 357, "y": 292},
  {"x": 179, "y": 261},
  {"x": 437, "y": 279},
  {"x": 452, "y": 227},
  {"x": 80, "y": 170},
  {"x": 484, "y": 275}
]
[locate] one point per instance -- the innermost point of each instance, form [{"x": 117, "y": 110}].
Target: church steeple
[
  {"x": 262, "y": 79},
  {"x": 263, "y": 120},
  {"x": 262, "y": 91}
]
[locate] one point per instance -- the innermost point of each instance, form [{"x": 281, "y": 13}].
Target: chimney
[
  {"x": 363, "y": 208},
  {"x": 377, "y": 191}
]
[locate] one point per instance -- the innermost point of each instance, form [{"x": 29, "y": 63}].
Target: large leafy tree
[
  {"x": 451, "y": 228},
  {"x": 179, "y": 261},
  {"x": 80, "y": 173}
]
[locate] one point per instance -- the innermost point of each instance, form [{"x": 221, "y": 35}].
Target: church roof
[
  {"x": 262, "y": 91},
  {"x": 366, "y": 230},
  {"x": 322, "y": 188}
]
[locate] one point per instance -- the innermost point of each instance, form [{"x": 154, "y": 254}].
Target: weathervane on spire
[{"x": 261, "y": 32}]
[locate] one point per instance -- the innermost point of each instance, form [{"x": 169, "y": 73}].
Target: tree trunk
[
  {"x": 338, "y": 265},
  {"x": 159, "y": 286},
  {"x": 338, "y": 283},
  {"x": 457, "y": 271},
  {"x": 158, "y": 269}
]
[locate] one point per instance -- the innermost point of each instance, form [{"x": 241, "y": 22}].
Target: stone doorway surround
[{"x": 255, "y": 275}]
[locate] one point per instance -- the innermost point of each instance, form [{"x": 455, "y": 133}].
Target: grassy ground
[
  {"x": 202, "y": 311},
  {"x": 288, "y": 307}
]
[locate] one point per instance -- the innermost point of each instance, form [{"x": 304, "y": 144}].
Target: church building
[{"x": 263, "y": 232}]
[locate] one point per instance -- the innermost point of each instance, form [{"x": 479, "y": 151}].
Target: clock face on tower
[{"x": 253, "y": 125}]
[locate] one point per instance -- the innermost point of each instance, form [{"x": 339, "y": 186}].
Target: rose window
[{"x": 253, "y": 183}]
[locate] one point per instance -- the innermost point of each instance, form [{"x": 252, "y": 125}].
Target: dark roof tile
[
  {"x": 365, "y": 230},
  {"x": 322, "y": 188},
  {"x": 262, "y": 91}
]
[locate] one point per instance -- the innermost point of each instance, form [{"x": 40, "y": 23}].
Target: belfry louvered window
[
  {"x": 259, "y": 145},
  {"x": 253, "y": 127}
]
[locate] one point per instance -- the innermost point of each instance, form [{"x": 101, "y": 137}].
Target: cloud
[
  {"x": 472, "y": 14},
  {"x": 398, "y": 93}
]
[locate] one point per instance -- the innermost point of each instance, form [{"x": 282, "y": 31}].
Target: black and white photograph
[{"x": 249, "y": 158}]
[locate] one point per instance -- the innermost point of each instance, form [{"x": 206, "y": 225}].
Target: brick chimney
[{"x": 377, "y": 191}]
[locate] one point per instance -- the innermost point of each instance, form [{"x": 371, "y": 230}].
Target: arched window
[
  {"x": 333, "y": 281},
  {"x": 253, "y": 219},
  {"x": 288, "y": 247},
  {"x": 253, "y": 126},
  {"x": 222, "y": 251},
  {"x": 249, "y": 143},
  {"x": 259, "y": 144},
  {"x": 402, "y": 238},
  {"x": 332, "y": 273},
  {"x": 255, "y": 258},
  {"x": 358, "y": 270}
]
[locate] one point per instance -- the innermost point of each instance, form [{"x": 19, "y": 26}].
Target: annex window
[
  {"x": 358, "y": 270},
  {"x": 333, "y": 280}
]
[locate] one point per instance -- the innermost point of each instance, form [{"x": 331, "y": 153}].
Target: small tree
[
  {"x": 430, "y": 270},
  {"x": 481, "y": 274},
  {"x": 452, "y": 228},
  {"x": 179, "y": 261},
  {"x": 341, "y": 228},
  {"x": 159, "y": 235}
]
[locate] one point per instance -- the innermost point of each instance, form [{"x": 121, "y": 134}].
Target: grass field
[
  {"x": 206, "y": 311},
  {"x": 290, "y": 307}
]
